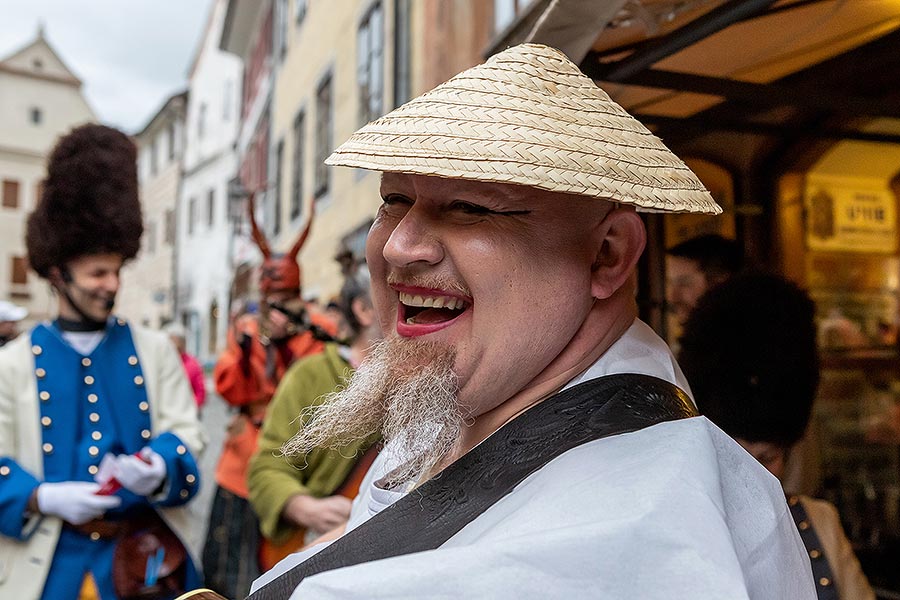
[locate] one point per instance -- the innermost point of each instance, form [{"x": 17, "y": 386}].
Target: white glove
[
  {"x": 74, "y": 501},
  {"x": 141, "y": 476}
]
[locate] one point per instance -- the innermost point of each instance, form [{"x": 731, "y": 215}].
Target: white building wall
[
  {"x": 24, "y": 146},
  {"x": 204, "y": 268},
  {"x": 147, "y": 282},
  {"x": 324, "y": 42}
]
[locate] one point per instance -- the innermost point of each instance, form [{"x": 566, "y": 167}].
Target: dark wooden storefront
[{"x": 790, "y": 113}]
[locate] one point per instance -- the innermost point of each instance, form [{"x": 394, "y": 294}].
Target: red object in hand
[{"x": 112, "y": 486}]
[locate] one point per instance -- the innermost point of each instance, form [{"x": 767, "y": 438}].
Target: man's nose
[
  {"x": 414, "y": 239},
  {"x": 111, "y": 282}
]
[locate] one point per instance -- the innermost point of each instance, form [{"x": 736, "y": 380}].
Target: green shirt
[{"x": 273, "y": 479}]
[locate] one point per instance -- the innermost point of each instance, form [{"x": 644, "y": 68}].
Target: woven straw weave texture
[{"x": 528, "y": 116}]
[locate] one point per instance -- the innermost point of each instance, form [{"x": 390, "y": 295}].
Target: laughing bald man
[{"x": 540, "y": 440}]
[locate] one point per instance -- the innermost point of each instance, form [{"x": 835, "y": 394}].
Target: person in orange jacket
[{"x": 260, "y": 349}]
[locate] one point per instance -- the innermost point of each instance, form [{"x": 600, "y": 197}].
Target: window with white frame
[
  {"x": 192, "y": 215},
  {"x": 226, "y": 100},
  {"x": 324, "y": 126},
  {"x": 300, "y": 8},
  {"x": 297, "y": 166},
  {"x": 171, "y": 139},
  {"x": 402, "y": 53},
  {"x": 211, "y": 207},
  {"x": 169, "y": 233},
  {"x": 10, "y": 193},
  {"x": 150, "y": 237},
  {"x": 369, "y": 64},
  {"x": 280, "y": 30},
  {"x": 154, "y": 164},
  {"x": 201, "y": 121},
  {"x": 18, "y": 274},
  {"x": 276, "y": 195}
]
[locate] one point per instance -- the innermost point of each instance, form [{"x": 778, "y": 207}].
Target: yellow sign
[{"x": 850, "y": 215}]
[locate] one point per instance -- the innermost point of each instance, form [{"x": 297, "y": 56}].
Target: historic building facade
[
  {"x": 203, "y": 229},
  {"x": 318, "y": 72},
  {"x": 147, "y": 295},
  {"x": 40, "y": 99}
]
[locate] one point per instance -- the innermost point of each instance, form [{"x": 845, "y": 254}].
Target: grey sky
[{"x": 131, "y": 54}]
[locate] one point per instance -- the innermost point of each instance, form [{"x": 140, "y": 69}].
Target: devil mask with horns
[
  {"x": 280, "y": 273},
  {"x": 280, "y": 285}
]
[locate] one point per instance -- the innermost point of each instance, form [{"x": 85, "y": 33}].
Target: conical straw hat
[{"x": 528, "y": 116}]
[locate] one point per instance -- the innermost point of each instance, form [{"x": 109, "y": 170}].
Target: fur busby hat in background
[
  {"x": 90, "y": 201},
  {"x": 749, "y": 353}
]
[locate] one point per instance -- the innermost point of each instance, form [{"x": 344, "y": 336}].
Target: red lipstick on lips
[{"x": 406, "y": 329}]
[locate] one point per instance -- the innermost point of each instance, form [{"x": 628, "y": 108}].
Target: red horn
[
  {"x": 305, "y": 233},
  {"x": 258, "y": 236}
]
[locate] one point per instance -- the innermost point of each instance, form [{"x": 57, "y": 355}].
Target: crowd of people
[{"x": 479, "y": 413}]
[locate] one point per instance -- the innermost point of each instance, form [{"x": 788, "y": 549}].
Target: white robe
[{"x": 677, "y": 510}]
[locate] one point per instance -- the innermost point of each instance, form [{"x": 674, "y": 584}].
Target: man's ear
[
  {"x": 363, "y": 311},
  {"x": 621, "y": 240},
  {"x": 55, "y": 277}
]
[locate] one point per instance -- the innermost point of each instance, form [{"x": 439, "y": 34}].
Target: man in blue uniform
[{"x": 88, "y": 400}]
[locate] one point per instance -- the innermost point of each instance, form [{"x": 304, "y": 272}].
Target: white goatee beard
[{"x": 407, "y": 390}]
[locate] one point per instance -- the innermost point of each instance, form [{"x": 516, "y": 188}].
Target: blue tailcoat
[{"x": 90, "y": 406}]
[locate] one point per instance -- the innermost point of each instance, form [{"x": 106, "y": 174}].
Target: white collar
[{"x": 641, "y": 351}]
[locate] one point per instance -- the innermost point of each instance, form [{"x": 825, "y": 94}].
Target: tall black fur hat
[
  {"x": 90, "y": 201},
  {"x": 749, "y": 353}
]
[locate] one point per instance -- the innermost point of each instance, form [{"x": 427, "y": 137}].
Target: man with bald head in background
[{"x": 540, "y": 439}]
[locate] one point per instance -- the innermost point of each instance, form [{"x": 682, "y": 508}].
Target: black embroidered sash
[{"x": 430, "y": 515}]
